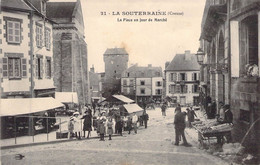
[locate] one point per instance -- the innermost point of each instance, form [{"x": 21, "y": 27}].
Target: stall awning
[
  {"x": 123, "y": 98},
  {"x": 20, "y": 106},
  {"x": 66, "y": 97},
  {"x": 132, "y": 108}
]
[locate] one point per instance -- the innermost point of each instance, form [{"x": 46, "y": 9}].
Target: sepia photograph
[{"x": 130, "y": 82}]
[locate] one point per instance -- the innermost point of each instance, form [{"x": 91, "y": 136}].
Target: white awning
[
  {"x": 20, "y": 106},
  {"x": 123, "y": 98},
  {"x": 132, "y": 108},
  {"x": 67, "y": 97}
]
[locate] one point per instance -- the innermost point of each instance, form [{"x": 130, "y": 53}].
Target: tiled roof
[
  {"x": 116, "y": 51},
  {"x": 15, "y": 4},
  {"x": 183, "y": 62},
  {"x": 142, "y": 71},
  {"x": 60, "y": 9}
]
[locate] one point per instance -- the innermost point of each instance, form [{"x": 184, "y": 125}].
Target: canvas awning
[
  {"x": 66, "y": 97},
  {"x": 123, "y": 98},
  {"x": 131, "y": 108},
  {"x": 20, "y": 106}
]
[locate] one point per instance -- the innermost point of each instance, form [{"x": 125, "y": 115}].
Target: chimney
[
  {"x": 149, "y": 65},
  {"x": 187, "y": 55},
  {"x": 92, "y": 69}
]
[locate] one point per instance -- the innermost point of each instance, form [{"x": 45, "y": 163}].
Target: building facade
[
  {"x": 95, "y": 84},
  {"x": 182, "y": 79},
  {"x": 70, "y": 49},
  {"x": 142, "y": 83},
  {"x": 116, "y": 61},
  {"x": 232, "y": 61},
  {"x": 26, "y": 50}
]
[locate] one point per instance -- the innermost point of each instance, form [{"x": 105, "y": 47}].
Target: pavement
[{"x": 153, "y": 145}]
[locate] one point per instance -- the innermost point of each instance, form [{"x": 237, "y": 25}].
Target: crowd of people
[{"x": 105, "y": 121}]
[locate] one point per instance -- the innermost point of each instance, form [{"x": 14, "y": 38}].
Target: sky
[{"x": 146, "y": 42}]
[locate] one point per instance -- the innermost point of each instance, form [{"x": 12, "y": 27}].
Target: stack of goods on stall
[{"x": 211, "y": 126}]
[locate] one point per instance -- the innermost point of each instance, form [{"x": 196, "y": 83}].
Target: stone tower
[
  {"x": 69, "y": 49},
  {"x": 116, "y": 61}
]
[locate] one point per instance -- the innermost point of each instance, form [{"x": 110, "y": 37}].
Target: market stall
[
  {"x": 212, "y": 129},
  {"x": 131, "y": 108}
]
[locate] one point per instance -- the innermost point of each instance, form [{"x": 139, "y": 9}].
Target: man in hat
[{"x": 179, "y": 121}]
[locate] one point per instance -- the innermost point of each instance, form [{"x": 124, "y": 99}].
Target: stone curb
[{"x": 49, "y": 142}]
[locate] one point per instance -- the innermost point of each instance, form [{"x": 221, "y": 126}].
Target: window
[
  {"x": 142, "y": 91},
  {"x": 125, "y": 90},
  {"x": 124, "y": 82},
  {"x": 172, "y": 89},
  {"x": 195, "y": 88},
  {"x": 182, "y": 76},
  {"x": 158, "y": 83},
  {"x": 173, "y": 77},
  {"x": 13, "y": 32},
  {"x": 248, "y": 42},
  {"x": 184, "y": 88},
  {"x": 142, "y": 82},
  {"x": 14, "y": 67},
  {"x": 39, "y": 35},
  {"x": 48, "y": 39},
  {"x": 177, "y": 89},
  {"x": 128, "y": 74},
  {"x": 48, "y": 68},
  {"x": 194, "y": 76},
  {"x": 158, "y": 92},
  {"x": 39, "y": 68},
  {"x": 131, "y": 82}
]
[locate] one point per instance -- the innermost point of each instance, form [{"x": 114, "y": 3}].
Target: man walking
[
  {"x": 179, "y": 121},
  {"x": 145, "y": 118}
]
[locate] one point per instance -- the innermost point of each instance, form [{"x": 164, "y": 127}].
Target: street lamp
[{"x": 200, "y": 56}]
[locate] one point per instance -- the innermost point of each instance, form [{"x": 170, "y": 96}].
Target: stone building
[
  {"x": 230, "y": 41},
  {"x": 182, "y": 79},
  {"x": 95, "y": 83},
  {"x": 69, "y": 49},
  {"x": 116, "y": 61},
  {"x": 26, "y": 51},
  {"x": 142, "y": 83}
]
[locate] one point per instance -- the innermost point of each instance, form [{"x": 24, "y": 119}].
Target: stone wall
[
  {"x": 71, "y": 69},
  {"x": 245, "y": 104}
]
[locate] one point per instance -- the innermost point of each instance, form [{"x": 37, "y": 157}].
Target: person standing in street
[
  {"x": 110, "y": 128},
  {"x": 163, "y": 108},
  {"x": 134, "y": 121},
  {"x": 179, "y": 122},
  {"x": 77, "y": 128},
  {"x": 102, "y": 130},
  {"x": 71, "y": 127},
  {"x": 178, "y": 108},
  {"x": 129, "y": 124},
  {"x": 191, "y": 115},
  {"x": 145, "y": 118},
  {"x": 87, "y": 124}
]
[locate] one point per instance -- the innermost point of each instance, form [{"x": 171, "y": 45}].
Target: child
[
  {"x": 102, "y": 130},
  {"x": 110, "y": 128},
  {"x": 71, "y": 127}
]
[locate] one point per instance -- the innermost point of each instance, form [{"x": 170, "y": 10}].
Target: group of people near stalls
[{"x": 105, "y": 121}]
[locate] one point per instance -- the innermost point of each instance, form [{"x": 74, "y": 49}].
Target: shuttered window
[
  {"x": 39, "y": 68},
  {"x": 48, "y": 39},
  {"x": 24, "y": 67}
]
